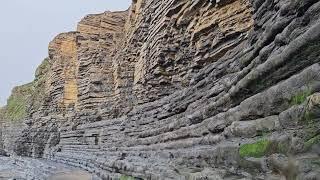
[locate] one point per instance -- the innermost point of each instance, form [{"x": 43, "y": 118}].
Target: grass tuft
[{"x": 300, "y": 97}]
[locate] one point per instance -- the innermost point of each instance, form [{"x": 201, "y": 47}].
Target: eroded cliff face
[{"x": 180, "y": 89}]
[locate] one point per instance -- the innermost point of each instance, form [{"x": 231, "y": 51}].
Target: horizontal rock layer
[{"x": 180, "y": 89}]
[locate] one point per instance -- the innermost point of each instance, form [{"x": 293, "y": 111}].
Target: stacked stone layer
[{"x": 180, "y": 89}]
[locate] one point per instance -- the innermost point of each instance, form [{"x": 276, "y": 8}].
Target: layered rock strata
[{"x": 180, "y": 89}]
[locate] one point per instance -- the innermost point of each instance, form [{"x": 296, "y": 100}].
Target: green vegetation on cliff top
[
  {"x": 26, "y": 96},
  {"x": 17, "y": 103},
  {"x": 40, "y": 84}
]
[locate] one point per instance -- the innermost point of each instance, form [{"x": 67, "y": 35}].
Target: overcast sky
[{"x": 27, "y": 26}]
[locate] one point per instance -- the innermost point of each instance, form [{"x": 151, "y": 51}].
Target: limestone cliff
[{"x": 182, "y": 89}]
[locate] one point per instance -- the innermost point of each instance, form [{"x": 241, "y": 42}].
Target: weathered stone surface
[
  {"x": 27, "y": 168},
  {"x": 180, "y": 89},
  {"x": 63, "y": 56}
]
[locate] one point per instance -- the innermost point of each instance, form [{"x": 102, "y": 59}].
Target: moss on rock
[
  {"x": 257, "y": 150},
  {"x": 313, "y": 141},
  {"x": 124, "y": 177}
]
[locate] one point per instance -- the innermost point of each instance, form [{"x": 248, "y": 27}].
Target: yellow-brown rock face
[
  {"x": 184, "y": 89},
  {"x": 102, "y": 24},
  {"x": 118, "y": 59},
  {"x": 63, "y": 56},
  {"x": 167, "y": 45},
  {"x": 82, "y": 65}
]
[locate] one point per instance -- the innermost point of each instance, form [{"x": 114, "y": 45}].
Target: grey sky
[{"x": 27, "y": 26}]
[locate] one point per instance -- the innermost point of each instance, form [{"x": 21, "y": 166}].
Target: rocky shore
[
  {"x": 18, "y": 168},
  {"x": 177, "y": 89}
]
